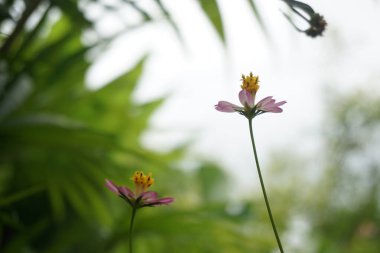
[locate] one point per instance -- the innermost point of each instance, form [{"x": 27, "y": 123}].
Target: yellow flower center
[
  {"x": 250, "y": 83},
  {"x": 142, "y": 182}
]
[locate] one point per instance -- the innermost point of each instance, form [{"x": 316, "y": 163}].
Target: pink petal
[
  {"x": 269, "y": 105},
  {"x": 280, "y": 103},
  {"x": 162, "y": 201},
  {"x": 274, "y": 109},
  {"x": 126, "y": 192},
  {"x": 246, "y": 98},
  {"x": 265, "y": 101},
  {"x": 224, "y": 106},
  {"x": 110, "y": 185},
  {"x": 274, "y": 104},
  {"x": 149, "y": 196}
]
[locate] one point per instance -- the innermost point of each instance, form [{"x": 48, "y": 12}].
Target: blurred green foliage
[
  {"x": 348, "y": 216},
  {"x": 60, "y": 140},
  {"x": 334, "y": 196}
]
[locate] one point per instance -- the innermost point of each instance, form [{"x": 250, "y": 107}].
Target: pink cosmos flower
[
  {"x": 140, "y": 197},
  {"x": 247, "y": 99}
]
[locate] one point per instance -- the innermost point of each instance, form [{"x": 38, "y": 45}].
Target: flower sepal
[{"x": 249, "y": 113}]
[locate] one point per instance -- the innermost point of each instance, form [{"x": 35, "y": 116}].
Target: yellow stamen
[
  {"x": 142, "y": 182},
  {"x": 250, "y": 83}
]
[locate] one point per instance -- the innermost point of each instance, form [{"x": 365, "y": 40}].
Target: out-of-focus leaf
[
  {"x": 15, "y": 97},
  {"x": 169, "y": 18},
  {"x": 72, "y": 192},
  {"x": 61, "y": 42},
  {"x": 89, "y": 195},
  {"x": 14, "y": 39},
  {"x": 305, "y": 7},
  {"x": 55, "y": 193},
  {"x": 31, "y": 36},
  {"x": 213, "y": 183},
  {"x": 121, "y": 88},
  {"x": 4, "y": 14},
  {"x": 211, "y": 9},
  {"x": 135, "y": 6},
  {"x": 71, "y": 9},
  {"x": 21, "y": 241},
  {"x": 49, "y": 131},
  {"x": 118, "y": 113},
  {"x": 21, "y": 195},
  {"x": 202, "y": 228},
  {"x": 257, "y": 15}
]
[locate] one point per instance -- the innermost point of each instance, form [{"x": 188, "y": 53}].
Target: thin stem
[
  {"x": 131, "y": 228},
  {"x": 263, "y": 188}
]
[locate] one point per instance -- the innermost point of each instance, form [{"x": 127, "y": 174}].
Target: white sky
[{"x": 291, "y": 67}]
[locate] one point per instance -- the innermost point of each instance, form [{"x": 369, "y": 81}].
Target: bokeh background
[{"x": 97, "y": 89}]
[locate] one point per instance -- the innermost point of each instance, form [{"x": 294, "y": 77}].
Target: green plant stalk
[
  {"x": 263, "y": 188},
  {"x": 131, "y": 229}
]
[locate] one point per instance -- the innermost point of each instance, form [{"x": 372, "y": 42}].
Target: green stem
[
  {"x": 263, "y": 188},
  {"x": 131, "y": 228}
]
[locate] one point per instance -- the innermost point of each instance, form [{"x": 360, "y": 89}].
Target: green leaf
[
  {"x": 48, "y": 131},
  {"x": 21, "y": 195},
  {"x": 31, "y": 36},
  {"x": 211, "y": 9},
  {"x": 257, "y": 15},
  {"x": 212, "y": 183},
  {"x": 140, "y": 10},
  {"x": 56, "y": 199},
  {"x": 296, "y": 4},
  {"x": 90, "y": 195},
  {"x": 71, "y": 9},
  {"x": 169, "y": 18}
]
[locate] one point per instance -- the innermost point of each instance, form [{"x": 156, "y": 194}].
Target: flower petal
[
  {"x": 246, "y": 98},
  {"x": 265, "y": 101},
  {"x": 166, "y": 200},
  {"x": 110, "y": 185},
  {"x": 280, "y": 103},
  {"x": 126, "y": 192},
  {"x": 224, "y": 106},
  {"x": 274, "y": 109},
  {"x": 268, "y": 104},
  {"x": 149, "y": 196},
  {"x": 162, "y": 201}
]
